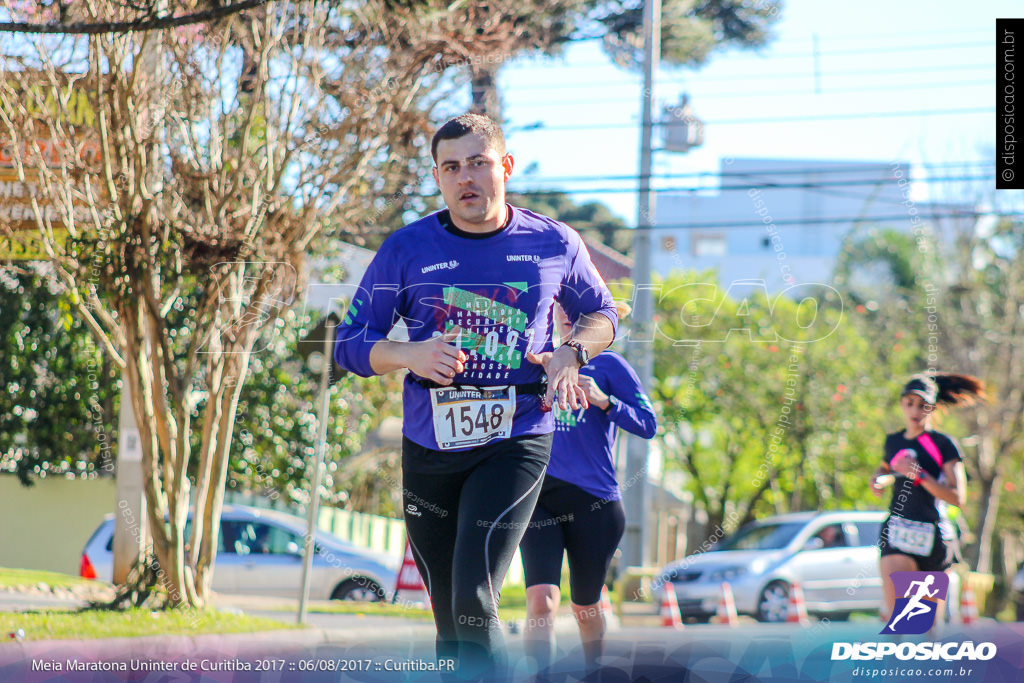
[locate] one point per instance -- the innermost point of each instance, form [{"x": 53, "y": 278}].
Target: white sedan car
[
  {"x": 832, "y": 555},
  {"x": 260, "y": 553}
]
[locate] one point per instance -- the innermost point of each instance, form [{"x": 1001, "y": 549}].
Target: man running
[{"x": 475, "y": 285}]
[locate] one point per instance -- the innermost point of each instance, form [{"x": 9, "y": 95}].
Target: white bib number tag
[
  {"x": 465, "y": 417},
  {"x": 915, "y": 538}
]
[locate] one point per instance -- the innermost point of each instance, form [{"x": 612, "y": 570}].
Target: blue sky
[{"x": 908, "y": 80}]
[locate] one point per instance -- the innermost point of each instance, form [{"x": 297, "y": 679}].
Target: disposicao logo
[
  {"x": 915, "y": 612},
  {"x": 947, "y": 652}
]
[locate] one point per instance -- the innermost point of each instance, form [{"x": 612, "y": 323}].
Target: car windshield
[{"x": 762, "y": 537}]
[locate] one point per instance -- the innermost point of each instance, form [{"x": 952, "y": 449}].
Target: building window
[
  {"x": 668, "y": 244},
  {"x": 709, "y": 245}
]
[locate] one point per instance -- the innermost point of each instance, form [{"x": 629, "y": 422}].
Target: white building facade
[{"x": 784, "y": 221}]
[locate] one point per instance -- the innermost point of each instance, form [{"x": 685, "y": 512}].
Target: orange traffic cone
[
  {"x": 797, "y": 613},
  {"x": 670, "y": 617},
  {"x": 968, "y": 608},
  {"x": 726, "y": 608}
]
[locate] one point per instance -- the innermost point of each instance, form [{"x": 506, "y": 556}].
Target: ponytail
[{"x": 959, "y": 390}]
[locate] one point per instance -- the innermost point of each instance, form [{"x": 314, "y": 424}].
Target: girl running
[
  {"x": 579, "y": 511},
  {"x": 929, "y": 476}
]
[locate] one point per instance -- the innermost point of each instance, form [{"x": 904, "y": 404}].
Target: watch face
[{"x": 581, "y": 353}]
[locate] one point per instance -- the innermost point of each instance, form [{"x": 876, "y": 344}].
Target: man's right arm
[
  {"x": 363, "y": 346},
  {"x": 370, "y": 317},
  {"x": 436, "y": 359}
]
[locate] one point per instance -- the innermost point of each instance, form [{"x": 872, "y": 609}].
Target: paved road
[
  {"x": 705, "y": 653},
  {"x": 17, "y": 602}
]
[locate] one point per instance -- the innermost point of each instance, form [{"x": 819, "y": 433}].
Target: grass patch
[
  {"x": 513, "y": 603},
  {"x": 88, "y": 624},
  {"x": 865, "y": 616},
  {"x": 370, "y": 609},
  {"x": 512, "y": 607},
  {"x": 11, "y": 578}
]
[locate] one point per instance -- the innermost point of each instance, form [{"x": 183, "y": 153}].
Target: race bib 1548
[{"x": 465, "y": 417}]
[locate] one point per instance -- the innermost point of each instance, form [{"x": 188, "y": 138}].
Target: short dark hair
[{"x": 484, "y": 126}]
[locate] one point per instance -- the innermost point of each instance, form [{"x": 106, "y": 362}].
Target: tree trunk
[
  {"x": 716, "y": 521},
  {"x": 214, "y": 474},
  {"x": 486, "y": 99},
  {"x": 990, "y": 479},
  {"x": 168, "y": 545}
]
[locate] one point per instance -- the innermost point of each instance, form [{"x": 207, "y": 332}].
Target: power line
[
  {"x": 862, "y": 51},
  {"x": 781, "y": 119},
  {"x": 860, "y": 167},
  {"x": 777, "y": 93},
  {"x": 894, "y": 48},
  {"x": 938, "y": 69},
  {"x": 760, "y": 186},
  {"x": 923, "y": 214},
  {"x": 861, "y": 37}
]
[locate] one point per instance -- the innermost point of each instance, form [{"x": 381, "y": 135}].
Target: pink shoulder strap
[{"x": 929, "y": 445}]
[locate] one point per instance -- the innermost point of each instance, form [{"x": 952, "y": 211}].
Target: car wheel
[
  {"x": 358, "y": 590},
  {"x": 838, "y": 616},
  {"x": 773, "y": 605}
]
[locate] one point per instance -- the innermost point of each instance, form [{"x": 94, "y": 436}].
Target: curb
[{"x": 228, "y": 645}]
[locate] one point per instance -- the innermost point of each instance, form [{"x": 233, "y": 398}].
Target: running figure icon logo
[{"x": 914, "y": 613}]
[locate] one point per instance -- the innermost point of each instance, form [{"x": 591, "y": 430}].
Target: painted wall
[{"x": 46, "y": 526}]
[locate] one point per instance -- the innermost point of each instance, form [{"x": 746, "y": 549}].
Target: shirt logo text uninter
[
  {"x": 444, "y": 265},
  {"x": 520, "y": 258}
]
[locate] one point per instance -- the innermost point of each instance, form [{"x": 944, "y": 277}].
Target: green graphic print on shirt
[{"x": 492, "y": 330}]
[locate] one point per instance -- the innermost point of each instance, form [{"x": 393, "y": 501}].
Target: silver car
[
  {"x": 260, "y": 553},
  {"x": 832, "y": 555}
]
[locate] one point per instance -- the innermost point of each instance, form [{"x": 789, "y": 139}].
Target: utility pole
[
  {"x": 317, "y": 350},
  {"x": 130, "y": 522},
  {"x": 641, "y": 341},
  {"x": 309, "y": 550}
]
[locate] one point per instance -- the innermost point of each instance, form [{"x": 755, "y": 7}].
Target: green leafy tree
[
  {"x": 955, "y": 307},
  {"x": 590, "y": 218},
  {"x": 483, "y": 36},
  {"x": 276, "y": 429},
  {"x": 978, "y": 320},
  {"x": 690, "y": 30},
  {"x": 59, "y": 398},
  {"x": 772, "y": 408}
]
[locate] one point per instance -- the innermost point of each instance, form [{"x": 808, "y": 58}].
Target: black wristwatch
[
  {"x": 582, "y": 355},
  {"x": 612, "y": 403}
]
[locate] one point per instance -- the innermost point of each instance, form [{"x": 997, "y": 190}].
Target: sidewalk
[{"x": 330, "y": 643}]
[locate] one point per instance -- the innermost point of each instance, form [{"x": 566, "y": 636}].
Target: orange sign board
[{"x": 20, "y": 237}]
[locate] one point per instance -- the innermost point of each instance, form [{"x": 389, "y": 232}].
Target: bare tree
[{"x": 184, "y": 176}]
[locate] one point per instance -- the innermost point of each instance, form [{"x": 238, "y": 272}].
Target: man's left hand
[{"x": 563, "y": 377}]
